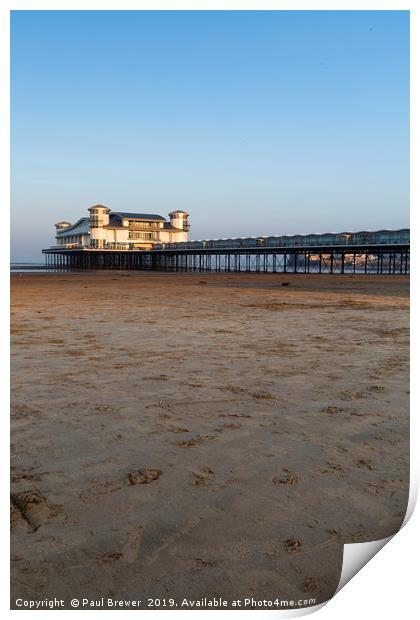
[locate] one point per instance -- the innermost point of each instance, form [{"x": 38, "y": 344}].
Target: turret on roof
[
  {"x": 99, "y": 207},
  {"x": 178, "y": 211}
]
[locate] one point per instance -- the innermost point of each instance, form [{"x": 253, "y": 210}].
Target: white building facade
[{"x": 115, "y": 230}]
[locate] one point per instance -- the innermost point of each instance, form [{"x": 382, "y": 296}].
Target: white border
[{"x": 386, "y": 586}]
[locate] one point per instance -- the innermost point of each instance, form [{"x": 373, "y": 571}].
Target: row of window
[
  {"x": 359, "y": 238},
  {"x": 96, "y": 222},
  {"x": 141, "y": 235},
  {"x": 137, "y": 224},
  {"x": 69, "y": 239}
]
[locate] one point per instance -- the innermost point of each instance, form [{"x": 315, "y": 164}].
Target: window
[{"x": 140, "y": 235}]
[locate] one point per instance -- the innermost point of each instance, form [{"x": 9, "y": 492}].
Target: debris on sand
[
  {"x": 292, "y": 545},
  {"x": 143, "y": 476},
  {"x": 365, "y": 463}
]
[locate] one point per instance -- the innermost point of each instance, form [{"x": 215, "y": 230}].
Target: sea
[{"x": 29, "y": 268}]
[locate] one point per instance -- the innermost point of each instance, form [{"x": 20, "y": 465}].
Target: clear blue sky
[{"x": 254, "y": 122}]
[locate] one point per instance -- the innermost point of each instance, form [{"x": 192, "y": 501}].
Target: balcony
[
  {"x": 144, "y": 227},
  {"x": 68, "y": 246}
]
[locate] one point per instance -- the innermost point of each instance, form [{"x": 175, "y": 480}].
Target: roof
[
  {"x": 64, "y": 231},
  {"x": 167, "y": 226},
  {"x": 178, "y": 211},
  {"x": 138, "y": 216},
  {"x": 360, "y": 232}
]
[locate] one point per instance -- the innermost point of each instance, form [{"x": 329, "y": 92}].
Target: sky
[{"x": 254, "y": 122}]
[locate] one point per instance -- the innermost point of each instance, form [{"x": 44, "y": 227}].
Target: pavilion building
[{"x": 107, "y": 230}]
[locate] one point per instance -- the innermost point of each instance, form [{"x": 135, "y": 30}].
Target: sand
[{"x": 180, "y": 436}]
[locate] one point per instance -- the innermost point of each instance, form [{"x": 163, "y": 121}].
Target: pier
[{"x": 387, "y": 259}]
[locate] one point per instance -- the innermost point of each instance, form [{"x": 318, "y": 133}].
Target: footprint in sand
[
  {"x": 17, "y": 522},
  {"x": 234, "y": 415},
  {"x": 195, "y": 441},
  {"x": 310, "y": 584},
  {"x": 34, "y": 508},
  {"x": 228, "y": 427},
  {"x": 347, "y": 395},
  {"x": 131, "y": 549},
  {"x": 143, "y": 476},
  {"x": 376, "y": 388},
  {"x": 233, "y": 388},
  {"x": 331, "y": 409},
  {"x": 204, "y": 478},
  {"x": 19, "y": 412},
  {"x": 106, "y": 558},
  {"x": 288, "y": 477},
  {"x": 380, "y": 488},
  {"x": 292, "y": 545},
  {"x": 332, "y": 467},
  {"x": 200, "y": 563},
  {"x": 263, "y": 396},
  {"x": 16, "y": 477}
]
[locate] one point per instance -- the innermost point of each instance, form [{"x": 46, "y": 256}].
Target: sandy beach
[{"x": 204, "y": 435}]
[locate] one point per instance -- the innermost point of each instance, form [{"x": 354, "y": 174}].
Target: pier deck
[{"x": 368, "y": 259}]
